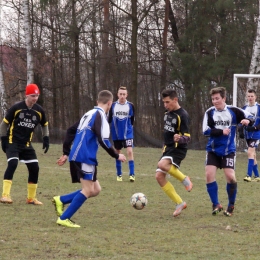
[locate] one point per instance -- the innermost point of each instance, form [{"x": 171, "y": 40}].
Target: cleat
[
  {"x": 33, "y": 202},
  {"x": 257, "y": 179},
  {"x": 229, "y": 211},
  {"x": 179, "y": 208},
  {"x": 216, "y": 209},
  {"x": 187, "y": 183},
  {"x": 67, "y": 223},
  {"x": 247, "y": 178},
  {"x": 119, "y": 178},
  {"x": 132, "y": 178},
  {"x": 59, "y": 206},
  {"x": 6, "y": 200}
]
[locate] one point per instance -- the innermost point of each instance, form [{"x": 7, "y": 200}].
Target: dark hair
[
  {"x": 220, "y": 90},
  {"x": 251, "y": 91},
  {"x": 169, "y": 93},
  {"x": 104, "y": 96}
]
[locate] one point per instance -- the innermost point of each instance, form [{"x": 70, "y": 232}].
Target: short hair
[
  {"x": 220, "y": 90},
  {"x": 104, "y": 96},
  {"x": 171, "y": 93},
  {"x": 122, "y": 88},
  {"x": 251, "y": 91}
]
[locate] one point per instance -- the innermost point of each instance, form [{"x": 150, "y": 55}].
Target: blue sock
[
  {"x": 76, "y": 203},
  {"x": 131, "y": 165},
  {"x": 255, "y": 170},
  {"x": 250, "y": 166},
  {"x": 212, "y": 189},
  {"x": 118, "y": 168},
  {"x": 232, "y": 193},
  {"x": 66, "y": 199}
]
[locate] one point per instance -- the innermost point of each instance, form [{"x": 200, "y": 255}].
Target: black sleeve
[
  {"x": 70, "y": 135},
  {"x": 133, "y": 116},
  {"x": 110, "y": 115},
  {"x": 216, "y": 132}
]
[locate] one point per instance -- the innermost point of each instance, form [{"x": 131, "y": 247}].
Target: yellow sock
[
  {"x": 174, "y": 171},
  {"x": 171, "y": 193},
  {"x": 7, "y": 184},
  {"x": 31, "y": 190}
]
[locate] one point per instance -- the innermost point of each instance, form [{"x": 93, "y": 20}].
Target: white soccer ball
[{"x": 138, "y": 200}]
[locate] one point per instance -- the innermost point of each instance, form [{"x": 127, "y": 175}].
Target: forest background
[{"x": 79, "y": 47}]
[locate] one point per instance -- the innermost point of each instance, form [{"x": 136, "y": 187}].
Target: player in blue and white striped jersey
[
  {"x": 219, "y": 124},
  {"x": 93, "y": 129},
  {"x": 252, "y": 136},
  {"x": 121, "y": 118}
]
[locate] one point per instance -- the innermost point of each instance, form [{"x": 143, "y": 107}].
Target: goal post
[{"x": 235, "y": 77}]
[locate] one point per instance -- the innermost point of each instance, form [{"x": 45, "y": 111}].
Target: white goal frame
[{"x": 235, "y": 77}]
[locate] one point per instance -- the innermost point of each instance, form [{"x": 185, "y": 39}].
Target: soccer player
[
  {"x": 252, "y": 136},
  {"x": 176, "y": 138},
  {"x": 92, "y": 129},
  {"x": 16, "y": 132},
  {"x": 219, "y": 124},
  {"x": 121, "y": 118}
]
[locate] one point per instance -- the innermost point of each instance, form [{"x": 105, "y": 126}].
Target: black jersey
[
  {"x": 22, "y": 122},
  {"x": 176, "y": 122}
]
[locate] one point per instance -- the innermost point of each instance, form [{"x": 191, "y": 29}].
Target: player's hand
[
  {"x": 121, "y": 158},
  {"x": 45, "y": 144},
  {"x": 250, "y": 128},
  {"x": 4, "y": 143},
  {"x": 245, "y": 122},
  {"x": 226, "y": 131},
  {"x": 62, "y": 160},
  {"x": 176, "y": 138}
]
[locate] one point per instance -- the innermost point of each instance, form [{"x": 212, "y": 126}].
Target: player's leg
[
  {"x": 118, "y": 146},
  {"x": 167, "y": 187},
  {"x": 228, "y": 164},
  {"x": 33, "y": 169},
  {"x": 255, "y": 168},
  {"x": 89, "y": 189},
  {"x": 130, "y": 156},
  {"x": 7, "y": 182},
  {"x": 28, "y": 156},
  {"x": 250, "y": 162},
  {"x": 12, "y": 154},
  {"x": 212, "y": 163}
]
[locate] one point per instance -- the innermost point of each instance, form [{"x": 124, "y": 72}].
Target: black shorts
[
  {"x": 76, "y": 172},
  {"x": 22, "y": 152},
  {"x": 119, "y": 144},
  {"x": 176, "y": 155},
  {"x": 253, "y": 143},
  {"x": 227, "y": 161}
]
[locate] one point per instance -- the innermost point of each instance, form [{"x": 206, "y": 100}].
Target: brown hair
[
  {"x": 104, "y": 96},
  {"x": 122, "y": 88},
  {"x": 220, "y": 90}
]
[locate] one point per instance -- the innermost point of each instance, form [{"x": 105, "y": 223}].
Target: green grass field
[{"x": 112, "y": 229}]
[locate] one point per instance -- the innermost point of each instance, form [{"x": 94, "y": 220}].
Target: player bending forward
[{"x": 92, "y": 129}]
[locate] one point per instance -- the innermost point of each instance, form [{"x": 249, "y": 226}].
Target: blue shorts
[{"x": 85, "y": 171}]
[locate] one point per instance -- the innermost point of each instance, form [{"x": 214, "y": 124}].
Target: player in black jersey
[
  {"x": 176, "y": 138},
  {"x": 16, "y": 131}
]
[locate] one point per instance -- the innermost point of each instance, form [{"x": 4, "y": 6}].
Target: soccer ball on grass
[{"x": 138, "y": 200}]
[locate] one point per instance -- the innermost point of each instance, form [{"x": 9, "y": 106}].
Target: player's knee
[
  {"x": 159, "y": 176},
  {"x": 12, "y": 164}
]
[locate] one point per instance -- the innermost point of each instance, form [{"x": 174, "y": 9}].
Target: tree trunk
[{"x": 29, "y": 46}]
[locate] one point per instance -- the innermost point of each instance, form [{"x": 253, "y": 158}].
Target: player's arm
[
  {"x": 133, "y": 114},
  {"x": 101, "y": 129},
  {"x": 208, "y": 126},
  {"x": 3, "y": 133},
  {"x": 184, "y": 137}
]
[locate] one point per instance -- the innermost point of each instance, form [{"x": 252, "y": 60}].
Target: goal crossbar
[{"x": 235, "y": 77}]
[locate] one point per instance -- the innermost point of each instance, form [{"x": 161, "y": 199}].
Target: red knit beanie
[{"x": 32, "y": 89}]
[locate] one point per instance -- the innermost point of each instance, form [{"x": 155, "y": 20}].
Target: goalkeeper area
[{"x": 235, "y": 84}]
